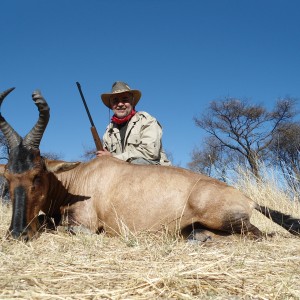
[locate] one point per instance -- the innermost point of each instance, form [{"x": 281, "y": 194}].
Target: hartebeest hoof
[{"x": 199, "y": 235}]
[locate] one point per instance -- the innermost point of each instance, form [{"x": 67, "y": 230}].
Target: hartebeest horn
[
  {"x": 12, "y": 137},
  {"x": 33, "y": 138}
]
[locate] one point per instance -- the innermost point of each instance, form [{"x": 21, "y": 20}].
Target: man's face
[{"x": 121, "y": 104}]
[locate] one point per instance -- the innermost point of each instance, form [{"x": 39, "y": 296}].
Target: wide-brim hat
[{"x": 120, "y": 87}]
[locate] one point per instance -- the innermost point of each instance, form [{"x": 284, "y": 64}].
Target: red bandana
[{"x": 123, "y": 120}]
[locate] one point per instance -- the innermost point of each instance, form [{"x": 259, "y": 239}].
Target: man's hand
[{"x": 104, "y": 152}]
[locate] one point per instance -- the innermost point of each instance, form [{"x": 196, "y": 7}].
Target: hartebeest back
[{"x": 106, "y": 194}]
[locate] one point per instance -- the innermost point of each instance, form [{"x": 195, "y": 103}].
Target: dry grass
[{"x": 61, "y": 266}]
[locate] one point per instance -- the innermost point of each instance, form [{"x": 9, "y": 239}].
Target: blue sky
[{"x": 180, "y": 54}]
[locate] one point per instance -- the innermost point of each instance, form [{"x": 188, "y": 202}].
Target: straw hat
[{"x": 120, "y": 87}]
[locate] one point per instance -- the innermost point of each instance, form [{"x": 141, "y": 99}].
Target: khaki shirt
[{"x": 142, "y": 140}]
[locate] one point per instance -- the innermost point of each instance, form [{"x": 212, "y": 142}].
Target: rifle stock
[
  {"x": 97, "y": 140},
  {"x": 95, "y": 134}
]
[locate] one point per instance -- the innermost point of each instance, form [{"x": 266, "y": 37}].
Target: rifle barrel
[
  {"x": 95, "y": 134},
  {"x": 85, "y": 105}
]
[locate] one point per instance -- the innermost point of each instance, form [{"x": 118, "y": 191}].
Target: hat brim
[{"x": 136, "y": 97}]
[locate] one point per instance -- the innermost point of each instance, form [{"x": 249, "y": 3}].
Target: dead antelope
[{"x": 105, "y": 192}]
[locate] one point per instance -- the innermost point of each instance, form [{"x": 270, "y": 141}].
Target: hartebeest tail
[{"x": 287, "y": 222}]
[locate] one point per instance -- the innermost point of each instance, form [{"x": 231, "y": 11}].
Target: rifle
[{"x": 95, "y": 134}]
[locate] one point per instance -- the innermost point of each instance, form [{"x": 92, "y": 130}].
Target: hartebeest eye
[{"x": 37, "y": 180}]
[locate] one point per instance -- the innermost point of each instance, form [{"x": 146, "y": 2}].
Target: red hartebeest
[{"x": 106, "y": 193}]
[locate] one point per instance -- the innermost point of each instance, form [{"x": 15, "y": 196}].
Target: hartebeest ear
[
  {"x": 2, "y": 169},
  {"x": 58, "y": 166}
]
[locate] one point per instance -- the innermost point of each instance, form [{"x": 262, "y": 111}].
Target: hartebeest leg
[
  {"x": 197, "y": 232},
  {"x": 243, "y": 226}
]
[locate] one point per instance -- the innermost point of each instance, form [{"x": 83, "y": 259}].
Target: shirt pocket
[{"x": 134, "y": 139}]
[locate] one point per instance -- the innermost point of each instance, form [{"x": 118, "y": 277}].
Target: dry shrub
[
  {"x": 148, "y": 266},
  {"x": 271, "y": 191}
]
